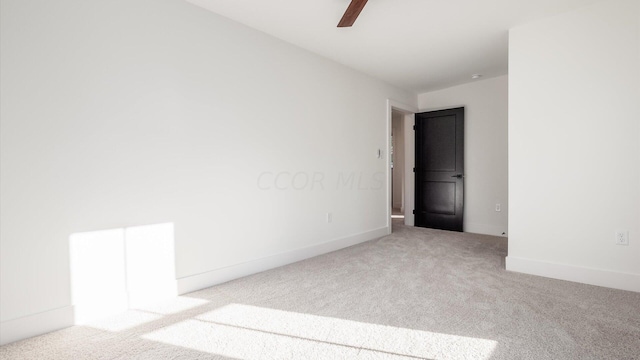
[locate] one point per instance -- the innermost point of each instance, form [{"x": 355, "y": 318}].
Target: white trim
[
  {"x": 485, "y": 229},
  {"x": 406, "y": 109},
  {"x": 210, "y": 278},
  {"x": 591, "y": 276},
  {"x": 401, "y": 106},
  {"x": 100, "y": 308},
  {"x": 36, "y": 324}
]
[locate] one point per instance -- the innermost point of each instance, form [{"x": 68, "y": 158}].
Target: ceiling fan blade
[{"x": 352, "y": 13}]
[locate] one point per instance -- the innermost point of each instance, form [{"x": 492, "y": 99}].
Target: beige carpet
[{"x": 418, "y": 293}]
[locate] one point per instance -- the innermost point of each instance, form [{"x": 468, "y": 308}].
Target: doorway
[
  {"x": 397, "y": 154},
  {"x": 403, "y": 149}
]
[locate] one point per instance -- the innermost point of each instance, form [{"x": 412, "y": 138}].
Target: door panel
[
  {"x": 438, "y": 135},
  {"x": 439, "y": 197},
  {"x": 440, "y": 169}
]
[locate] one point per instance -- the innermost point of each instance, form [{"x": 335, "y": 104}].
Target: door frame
[{"x": 409, "y": 120}]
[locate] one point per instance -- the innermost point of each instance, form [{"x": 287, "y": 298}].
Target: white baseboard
[
  {"x": 598, "y": 277},
  {"x": 485, "y": 229},
  {"x": 36, "y": 324},
  {"x": 99, "y": 307},
  {"x": 210, "y": 278}
]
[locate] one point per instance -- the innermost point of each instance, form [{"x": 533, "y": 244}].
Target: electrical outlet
[
  {"x": 622, "y": 238},
  {"x": 498, "y": 208},
  {"x": 329, "y": 217}
]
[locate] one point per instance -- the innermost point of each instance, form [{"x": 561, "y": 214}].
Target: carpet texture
[{"x": 416, "y": 294}]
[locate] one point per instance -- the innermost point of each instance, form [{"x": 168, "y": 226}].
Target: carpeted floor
[{"x": 417, "y": 294}]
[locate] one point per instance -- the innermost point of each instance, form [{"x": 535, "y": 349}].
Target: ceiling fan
[{"x": 352, "y": 13}]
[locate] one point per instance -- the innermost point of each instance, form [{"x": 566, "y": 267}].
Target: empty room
[{"x": 320, "y": 179}]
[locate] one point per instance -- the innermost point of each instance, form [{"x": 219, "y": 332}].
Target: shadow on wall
[{"x": 118, "y": 269}]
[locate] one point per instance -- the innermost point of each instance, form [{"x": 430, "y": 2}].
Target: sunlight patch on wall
[
  {"x": 119, "y": 269},
  {"x": 98, "y": 278},
  {"x": 250, "y": 332},
  {"x": 150, "y": 263}
]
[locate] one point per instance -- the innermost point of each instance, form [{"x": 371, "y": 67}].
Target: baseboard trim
[
  {"x": 485, "y": 229},
  {"x": 36, "y": 324},
  {"x": 218, "y": 276},
  {"x": 584, "y": 275}
]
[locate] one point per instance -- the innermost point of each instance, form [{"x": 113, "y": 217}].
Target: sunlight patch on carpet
[
  {"x": 123, "y": 321},
  {"x": 250, "y": 332}
]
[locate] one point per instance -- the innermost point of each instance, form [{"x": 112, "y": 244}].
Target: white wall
[
  {"x": 486, "y": 173},
  {"x": 574, "y": 153},
  {"x": 131, "y": 112}
]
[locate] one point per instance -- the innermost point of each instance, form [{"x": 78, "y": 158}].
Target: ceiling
[{"x": 417, "y": 45}]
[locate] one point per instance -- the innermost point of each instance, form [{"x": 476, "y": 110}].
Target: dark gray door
[{"x": 440, "y": 169}]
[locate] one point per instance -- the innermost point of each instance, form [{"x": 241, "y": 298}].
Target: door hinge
[
  {"x": 414, "y": 169},
  {"x": 414, "y": 211},
  {"x": 414, "y": 127}
]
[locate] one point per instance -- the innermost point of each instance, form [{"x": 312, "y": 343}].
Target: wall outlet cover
[{"x": 622, "y": 238}]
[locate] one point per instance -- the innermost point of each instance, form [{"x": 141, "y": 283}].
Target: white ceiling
[{"x": 418, "y": 45}]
